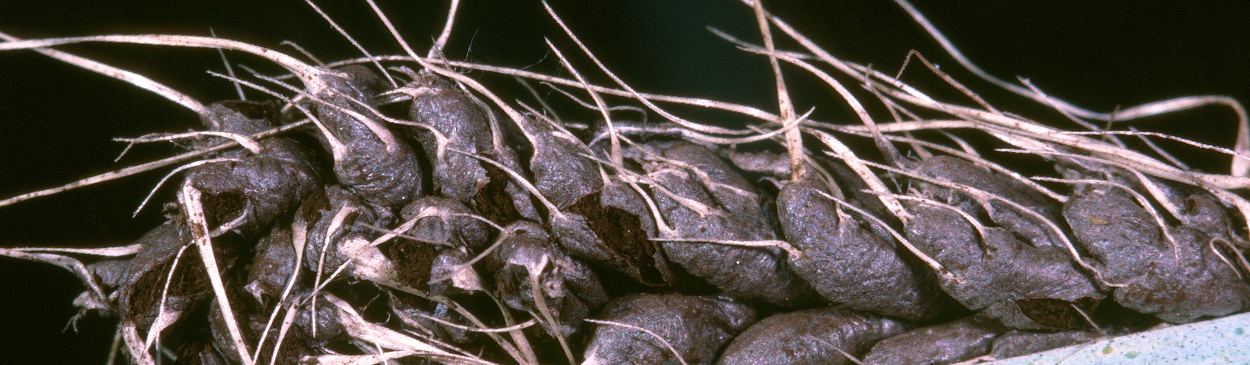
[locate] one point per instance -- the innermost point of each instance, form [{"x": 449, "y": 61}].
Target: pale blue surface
[{"x": 1220, "y": 341}]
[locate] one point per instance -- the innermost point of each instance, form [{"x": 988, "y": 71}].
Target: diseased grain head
[{"x": 387, "y": 189}]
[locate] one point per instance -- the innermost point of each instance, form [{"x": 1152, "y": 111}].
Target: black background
[{"x": 58, "y": 119}]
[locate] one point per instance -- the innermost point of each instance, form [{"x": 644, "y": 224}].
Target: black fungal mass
[
  {"x": 717, "y": 203},
  {"x": 446, "y": 221},
  {"x": 247, "y": 193},
  {"x": 143, "y": 281},
  {"x": 947, "y": 343},
  {"x": 825, "y": 336},
  {"x": 1025, "y": 284},
  {"x": 1179, "y": 279},
  {"x": 532, "y": 275},
  {"x": 561, "y": 171},
  {"x": 454, "y": 122},
  {"x": 1005, "y": 189},
  {"x": 385, "y": 174},
  {"x": 334, "y": 214},
  {"x": 695, "y": 327},
  {"x": 608, "y": 235},
  {"x": 1018, "y": 342},
  {"x": 849, "y": 265}
]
